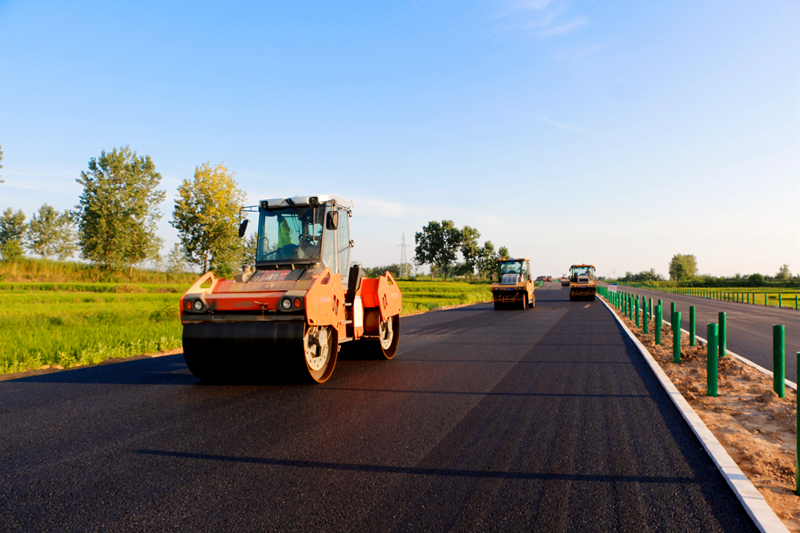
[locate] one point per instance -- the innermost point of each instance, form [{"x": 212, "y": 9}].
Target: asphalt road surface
[
  {"x": 749, "y": 326},
  {"x": 539, "y": 420}
]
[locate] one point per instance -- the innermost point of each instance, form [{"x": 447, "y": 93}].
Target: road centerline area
[{"x": 539, "y": 420}]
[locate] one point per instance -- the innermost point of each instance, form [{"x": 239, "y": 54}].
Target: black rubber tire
[
  {"x": 524, "y": 301},
  {"x": 324, "y": 373},
  {"x": 498, "y": 306}
]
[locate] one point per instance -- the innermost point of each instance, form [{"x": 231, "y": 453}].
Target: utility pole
[{"x": 404, "y": 268}]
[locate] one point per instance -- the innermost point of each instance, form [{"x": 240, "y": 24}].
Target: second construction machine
[
  {"x": 515, "y": 286},
  {"x": 582, "y": 283},
  {"x": 286, "y": 317}
]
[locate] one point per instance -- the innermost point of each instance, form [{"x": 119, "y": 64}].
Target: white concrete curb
[{"x": 754, "y": 504}]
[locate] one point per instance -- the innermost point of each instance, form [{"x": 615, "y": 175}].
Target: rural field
[{"x": 73, "y": 324}]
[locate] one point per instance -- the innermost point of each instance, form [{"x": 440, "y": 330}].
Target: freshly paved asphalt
[
  {"x": 539, "y": 420},
  {"x": 749, "y": 326}
]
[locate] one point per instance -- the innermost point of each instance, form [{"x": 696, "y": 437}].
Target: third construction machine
[
  {"x": 582, "y": 283},
  {"x": 515, "y": 286},
  {"x": 285, "y": 317}
]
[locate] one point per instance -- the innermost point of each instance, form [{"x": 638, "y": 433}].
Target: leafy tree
[
  {"x": 682, "y": 267},
  {"x": 487, "y": 260},
  {"x": 755, "y": 280},
  {"x": 118, "y": 210},
  {"x": 502, "y": 253},
  {"x": 783, "y": 273},
  {"x": 11, "y": 250},
  {"x": 437, "y": 245},
  {"x": 52, "y": 233},
  {"x": 175, "y": 260},
  {"x": 393, "y": 269},
  {"x": 470, "y": 250},
  {"x": 206, "y": 216},
  {"x": 250, "y": 249},
  {"x": 12, "y": 226}
]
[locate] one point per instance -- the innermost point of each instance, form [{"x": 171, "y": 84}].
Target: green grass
[
  {"x": 39, "y": 270},
  {"x": 49, "y": 327},
  {"x": 428, "y": 295},
  {"x": 121, "y": 288}
]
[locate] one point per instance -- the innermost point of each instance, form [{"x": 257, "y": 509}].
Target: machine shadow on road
[{"x": 441, "y": 472}]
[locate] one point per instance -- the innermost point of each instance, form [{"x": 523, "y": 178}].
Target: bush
[{"x": 756, "y": 280}]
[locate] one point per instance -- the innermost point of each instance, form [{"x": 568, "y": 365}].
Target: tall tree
[
  {"x": 12, "y": 226},
  {"x": 783, "y": 273},
  {"x": 206, "y": 216},
  {"x": 66, "y": 242},
  {"x": 51, "y": 233},
  {"x": 175, "y": 260},
  {"x": 682, "y": 267},
  {"x": 12, "y": 229},
  {"x": 437, "y": 245},
  {"x": 118, "y": 210},
  {"x": 502, "y": 253},
  {"x": 469, "y": 248},
  {"x": 487, "y": 261}
]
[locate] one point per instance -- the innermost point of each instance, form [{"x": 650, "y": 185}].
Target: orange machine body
[{"x": 320, "y": 301}]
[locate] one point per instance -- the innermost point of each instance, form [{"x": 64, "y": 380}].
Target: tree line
[
  {"x": 114, "y": 223},
  {"x": 683, "y": 271},
  {"x": 440, "y": 243}
]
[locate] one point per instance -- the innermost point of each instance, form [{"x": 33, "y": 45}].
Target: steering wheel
[{"x": 306, "y": 238}]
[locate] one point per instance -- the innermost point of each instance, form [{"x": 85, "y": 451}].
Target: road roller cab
[
  {"x": 515, "y": 286},
  {"x": 289, "y": 312},
  {"x": 582, "y": 283}
]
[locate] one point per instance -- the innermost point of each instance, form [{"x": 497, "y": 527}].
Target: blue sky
[{"x": 617, "y": 133}]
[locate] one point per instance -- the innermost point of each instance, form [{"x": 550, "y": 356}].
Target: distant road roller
[
  {"x": 286, "y": 316},
  {"x": 514, "y": 288},
  {"x": 582, "y": 283}
]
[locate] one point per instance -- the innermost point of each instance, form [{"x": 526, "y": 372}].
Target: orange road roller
[{"x": 286, "y": 316}]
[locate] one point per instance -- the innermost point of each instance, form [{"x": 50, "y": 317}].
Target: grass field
[
  {"x": 49, "y": 327},
  {"x": 73, "y": 324},
  {"x": 428, "y": 295}
]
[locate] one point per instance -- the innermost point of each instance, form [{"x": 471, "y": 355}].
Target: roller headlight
[
  {"x": 198, "y": 305},
  {"x": 286, "y": 304}
]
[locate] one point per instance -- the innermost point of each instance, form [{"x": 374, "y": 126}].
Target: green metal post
[
  {"x": 676, "y": 337},
  {"x": 795, "y": 303},
  {"x": 712, "y": 362},
  {"x": 636, "y": 311},
  {"x": 692, "y": 326},
  {"x": 780, "y": 301},
  {"x": 650, "y": 307},
  {"x": 779, "y": 360},
  {"x": 723, "y": 335},
  {"x": 671, "y": 309},
  {"x": 658, "y": 324},
  {"x": 644, "y": 316},
  {"x": 766, "y": 299}
]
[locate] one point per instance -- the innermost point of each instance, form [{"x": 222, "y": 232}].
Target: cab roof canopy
[
  {"x": 573, "y": 266},
  {"x": 277, "y": 203},
  {"x": 513, "y": 260}
]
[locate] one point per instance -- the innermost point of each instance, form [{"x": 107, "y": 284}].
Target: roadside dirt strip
[{"x": 755, "y": 504}]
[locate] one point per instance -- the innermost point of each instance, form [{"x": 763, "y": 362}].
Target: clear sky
[{"x": 616, "y": 133}]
